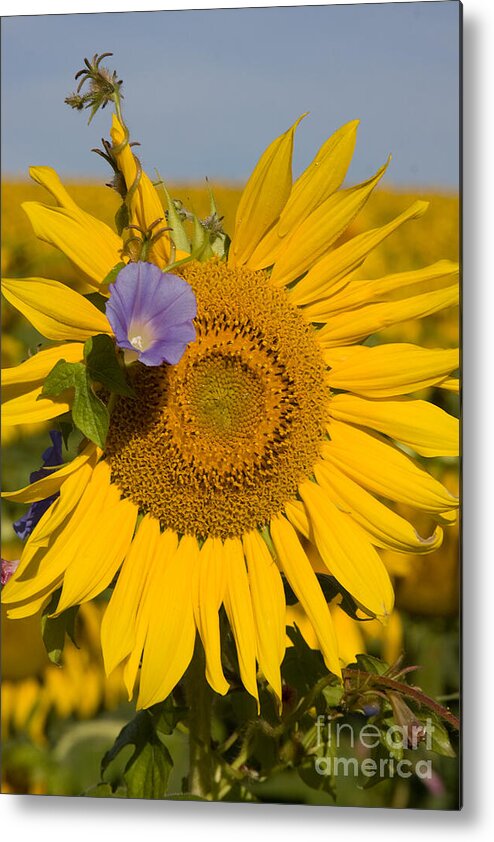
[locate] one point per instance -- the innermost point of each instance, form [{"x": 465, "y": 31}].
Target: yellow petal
[
  {"x": 268, "y": 603},
  {"x": 46, "y": 486},
  {"x": 88, "y": 243},
  {"x": 347, "y": 258},
  {"x": 296, "y": 616},
  {"x": 387, "y": 370},
  {"x": 91, "y": 244},
  {"x": 303, "y": 581},
  {"x": 30, "y": 408},
  {"x": 48, "y": 178},
  {"x": 208, "y": 592},
  {"x": 317, "y": 233},
  {"x": 101, "y": 554},
  {"x": 349, "y": 635},
  {"x": 384, "y": 526},
  {"x": 347, "y": 552},
  {"x": 32, "y": 606},
  {"x": 56, "y": 515},
  {"x": 46, "y": 566},
  {"x": 152, "y": 569},
  {"x": 35, "y": 368},
  {"x": 22, "y": 387},
  {"x": 426, "y": 428},
  {"x": 451, "y": 384},
  {"x": 171, "y": 635},
  {"x": 238, "y": 606},
  {"x": 321, "y": 178},
  {"x": 353, "y": 326},
  {"x": 355, "y": 293},
  {"x": 264, "y": 196},
  {"x": 70, "y": 494},
  {"x": 297, "y": 516},
  {"x": 385, "y": 470},
  {"x": 145, "y": 205},
  {"x": 119, "y": 622},
  {"x": 55, "y": 310}
]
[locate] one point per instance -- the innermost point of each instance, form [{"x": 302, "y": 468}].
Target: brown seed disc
[{"x": 217, "y": 444}]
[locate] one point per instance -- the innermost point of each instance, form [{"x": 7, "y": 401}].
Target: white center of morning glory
[
  {"x": 140, "y": 336},
  {"x": 137, "y": 342}
]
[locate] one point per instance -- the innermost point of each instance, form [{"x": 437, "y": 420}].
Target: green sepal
[
  {"x": 122, "y": 218},
  {"x": 103, "y": 366},
  {"x": 54, "y": 629},
  {"x": 178, "y": 232},
  {"x": 213, "y": 210},
  {"x": 112, "y": 274},
  {"x": 201, "y": 244},
  {"x": 148, "y": 769},
  {"x": 221, "y": 245},
  {"x": 89, "y": 413}
]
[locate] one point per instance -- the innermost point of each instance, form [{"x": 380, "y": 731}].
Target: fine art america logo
[{"x": 342, "y": 735}]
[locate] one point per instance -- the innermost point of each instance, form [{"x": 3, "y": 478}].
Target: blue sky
[{"x": 205, "y": 91}]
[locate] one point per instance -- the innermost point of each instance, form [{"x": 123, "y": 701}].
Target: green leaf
[
  {"x": 104, "y": 791},
  {"x": 148, "y": 775},
  {"x": 89, "y": 413},
  {"x": 54, "y": 629},
  {"x": 166, "y": 716},
  {"x": 440, "y": 740},
  {"x": 60, "y": 378},
  {"x": 333, "y": 695},
  {"x": 315, "y": 780},
  {"x": 368, "y": 663},
  {"x": 148, "y": 770},
  {"x": 103, "y": 366},
  {"x": 66, "y": 427},
  {"x": 302, "y": 667}
]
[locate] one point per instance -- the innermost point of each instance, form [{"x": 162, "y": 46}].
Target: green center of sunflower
[
  {"x": 217, "y": 444},
  {"x": 226, "y": 396}
]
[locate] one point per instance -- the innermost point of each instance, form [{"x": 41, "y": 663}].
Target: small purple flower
[
  {"x": 52, "y": 458},
  {"x": 151, "y": 313}
]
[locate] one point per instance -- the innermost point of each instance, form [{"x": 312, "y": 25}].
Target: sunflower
[{"x": 269, "y": 449}]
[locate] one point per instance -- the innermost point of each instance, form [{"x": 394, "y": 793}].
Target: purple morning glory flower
[
  {"x": 151, "y": 313},
  {"x": 52, "y": 458}
]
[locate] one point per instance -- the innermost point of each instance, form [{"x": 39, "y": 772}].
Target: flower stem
[{"x": 199, "y": 701}]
